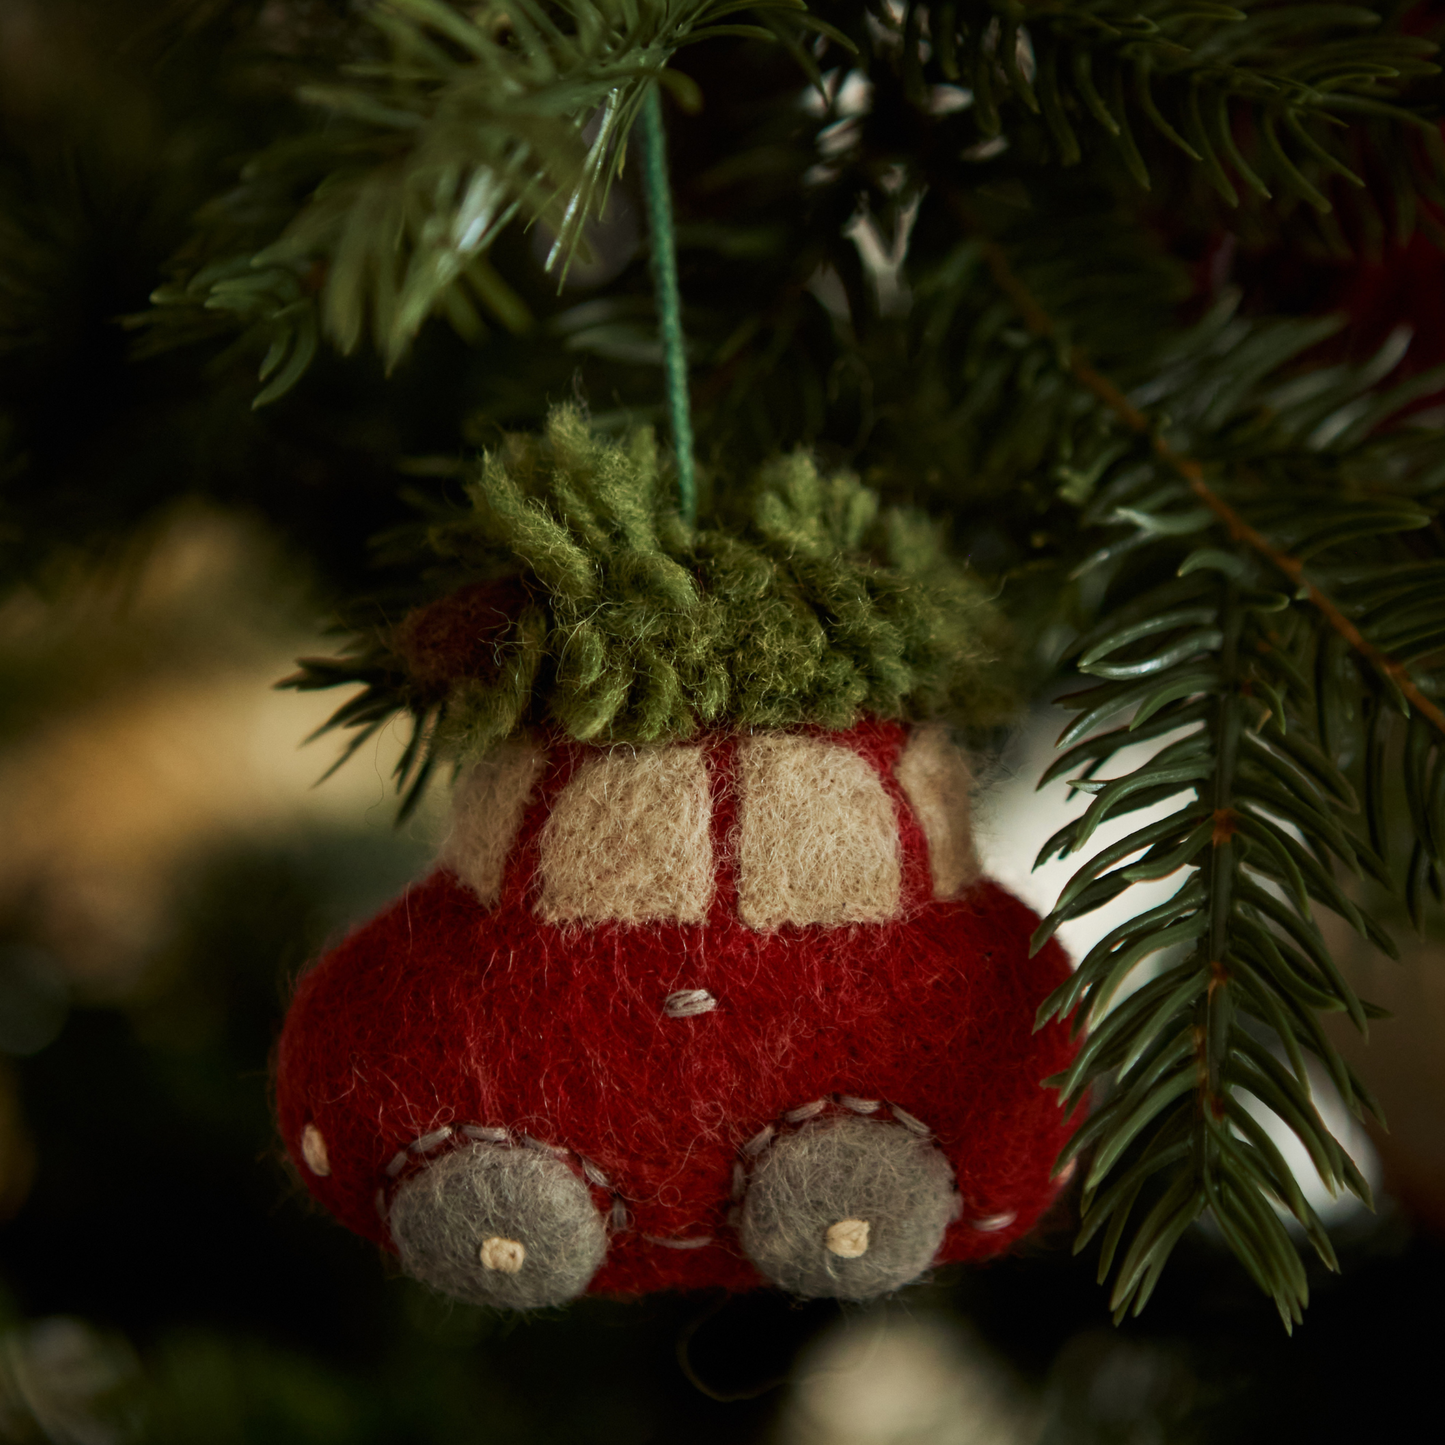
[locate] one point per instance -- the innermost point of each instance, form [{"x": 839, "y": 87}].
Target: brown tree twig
[{"x": 1041, "y": 324}]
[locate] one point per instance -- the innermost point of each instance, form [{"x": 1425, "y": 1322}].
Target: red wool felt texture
[{"x": 440, "y": 1012}]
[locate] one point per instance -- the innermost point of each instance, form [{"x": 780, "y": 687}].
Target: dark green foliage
[
  {"x": 437, "y": 128},
  {"x": 1021, "y": 416},
  {"x": 1272, "y": 731},
  {"x": 440, "y": 130},
  {"x": 639, "y": 628},
  {"x": 1239, "y": 90}
]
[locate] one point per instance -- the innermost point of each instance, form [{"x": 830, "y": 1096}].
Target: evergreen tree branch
[
  {"x": 1230, "y": 79},
  {"x": 448, "y": 129},
  {"x": 1266, "y": 703},
  {"x": 1042, "y": 325}
]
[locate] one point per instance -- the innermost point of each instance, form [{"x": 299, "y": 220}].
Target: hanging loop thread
[{"x": 669, "y": 299}]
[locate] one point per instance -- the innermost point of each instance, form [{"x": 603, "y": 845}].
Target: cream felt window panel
[
  {"x": 938, "y": 782},
  {"x": 487, "y": 807},
  {"x": 817, "y": 835},
  {"x": 629, "y": 839}
]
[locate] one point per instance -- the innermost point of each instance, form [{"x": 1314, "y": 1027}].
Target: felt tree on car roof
[{"x": 706, "y": 988}]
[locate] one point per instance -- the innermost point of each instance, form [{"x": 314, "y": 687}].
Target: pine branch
[
  {"x": 1041, "y": 324},
  {"x": 1239, "y": 91},
  {"x": 444, "y": 128},
  {"x": 450, "y": 129},
  {"x": 1247, "y": 680}
]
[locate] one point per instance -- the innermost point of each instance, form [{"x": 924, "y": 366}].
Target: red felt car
[{"x": 713, "y": 1013}]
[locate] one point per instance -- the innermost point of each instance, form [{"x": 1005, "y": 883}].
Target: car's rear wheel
[{"x": 511, "y": 1227}]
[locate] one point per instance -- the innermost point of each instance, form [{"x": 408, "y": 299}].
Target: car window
[
  {"x": 817, "y": 835},
  {"x": 938, "y": 782},
  {"x": 487, "y": 807},
  {"x": 629, "y": 838}
]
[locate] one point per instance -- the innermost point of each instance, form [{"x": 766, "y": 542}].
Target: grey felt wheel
[
  {"x": 514, "y": 1228},
  {"x": 847, "y": 1208}
]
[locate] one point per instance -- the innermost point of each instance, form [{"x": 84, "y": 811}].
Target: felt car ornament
[{"x": 707, "y": 994}]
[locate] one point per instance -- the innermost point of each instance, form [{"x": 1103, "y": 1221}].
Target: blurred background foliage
[{"x": 165, "y": 869}]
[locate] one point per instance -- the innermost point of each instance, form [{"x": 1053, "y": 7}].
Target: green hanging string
[{"x": 669, "y": 302}]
